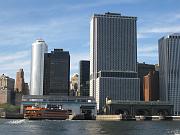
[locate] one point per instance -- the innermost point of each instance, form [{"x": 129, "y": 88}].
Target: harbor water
[{"x": 59, "y": 127}]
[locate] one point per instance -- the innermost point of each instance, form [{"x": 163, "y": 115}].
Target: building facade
[
  {"x": 56, "y": 72},
  {"x": 157, "y": 67},
  {"x": 169, "y": 70},
  {"x": 143, "y": 70},
  {"x": 21, "y": 88},
  {"x": 84, "y": 77},
  {"x": 39, "y": 47},
  {"x": 139, "y": 108},
  {"x": 151, "y": 86},
  {"x": 20, "y": 85},
  {"x": 113, "y": 56},
  {"x": 6, "y": 89},
  {"x": 74, "y": 85}
]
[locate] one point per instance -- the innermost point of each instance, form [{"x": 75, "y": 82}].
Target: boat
[{"x": 38, "y": 113}]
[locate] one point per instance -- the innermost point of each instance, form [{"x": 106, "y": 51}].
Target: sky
[{"x": 65, "y": 24}]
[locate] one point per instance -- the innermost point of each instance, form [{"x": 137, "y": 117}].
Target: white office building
[
  {"x": 39, "y": 47},
  {"x": 169, "y": 71}
]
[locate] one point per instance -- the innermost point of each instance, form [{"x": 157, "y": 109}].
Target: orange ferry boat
[{"x": 35, "y": 113}]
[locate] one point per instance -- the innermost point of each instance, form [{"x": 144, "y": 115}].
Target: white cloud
[
  {"x": 147, "y": 48},
  {"x": 10, "y": 63},
  {"x": 101, "y": 3},
  {"x": 159, "y": 23},
  {"x": 177, "y": 16},
  {"x": 10, "y": 68},
  {"x": 15, "y": 65},
  {"x": 21, "y": 36},
  {"x": 163, "y": 29},
  {"x": 54, "y": 29},
  {"x": 14, "y": 56},
  {"x": 147, "y": 51},
  {"x": 148, "y": 54},
  {"x": 141, "y": 35}
]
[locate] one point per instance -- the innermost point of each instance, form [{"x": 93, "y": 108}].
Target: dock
[{"x": 136, "y": 118}]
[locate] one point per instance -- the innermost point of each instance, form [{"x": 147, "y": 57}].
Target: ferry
[{"x": 37, "y": 113}]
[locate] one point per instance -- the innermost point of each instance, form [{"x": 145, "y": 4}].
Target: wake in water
[{"x": 16, "y": 121}]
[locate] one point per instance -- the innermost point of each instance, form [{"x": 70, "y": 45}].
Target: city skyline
[{"x": 66, "y": 25}]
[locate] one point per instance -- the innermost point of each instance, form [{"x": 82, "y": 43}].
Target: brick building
[
  {"x": 143, "y": 69},
  {"x": 21, "y": 88},
  {"x": 151, "y": 86}
]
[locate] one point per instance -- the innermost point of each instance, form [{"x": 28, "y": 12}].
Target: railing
[{"x": 138, "y": 102}]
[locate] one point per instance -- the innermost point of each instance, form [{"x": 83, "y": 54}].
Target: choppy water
[{"x": 57, "y": 127}]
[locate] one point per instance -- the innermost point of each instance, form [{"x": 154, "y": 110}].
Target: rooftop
[
  {"x": 173, "y": 35},
  {"x": 40, "y": 40},
  {"x": 114, "y": 15},
  {"x": 56, "y": 98}
]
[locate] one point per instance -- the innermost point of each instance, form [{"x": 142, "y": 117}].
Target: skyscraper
[
  {"x": 39, "y": 47},
  {"x": 113, "y": 58},
  {"x": 84, "y": 77},
  {"x": 56, "y": 72},
  {"x": 169, "y": 70}
]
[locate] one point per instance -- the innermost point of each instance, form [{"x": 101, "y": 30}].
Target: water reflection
[
  {"x": 174, "y": 132},
  {"x": 47, "y": 127}
]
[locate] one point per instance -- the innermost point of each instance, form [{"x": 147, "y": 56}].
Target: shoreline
[{"x": 111, "y": 118}]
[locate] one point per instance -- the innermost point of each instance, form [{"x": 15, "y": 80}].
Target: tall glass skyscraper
[
  {"x": 113, "y": 58},
  {"x": 39, "y": 47},
  {"x": 169, "y": 71},
  {"x": 56, "y": 73},
  {"x": 84, "y": 67}
]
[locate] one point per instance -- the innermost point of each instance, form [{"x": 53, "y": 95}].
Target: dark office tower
[
  {"x": 84, "y": 67},
  {"x": 26, "y": 87},
  {"x": 56, "y": 72},
  {"x": 143, "y": 69},
  {"x": 169, "y": 70},
  {"x": 151, "y": 86},
  {"x": 113, "y": 58}
]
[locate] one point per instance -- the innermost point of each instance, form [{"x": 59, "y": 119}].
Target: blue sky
[{"x": 65, "y": 24}]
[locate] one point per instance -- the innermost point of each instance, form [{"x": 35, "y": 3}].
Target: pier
[{"x": 136, "y": 118}]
